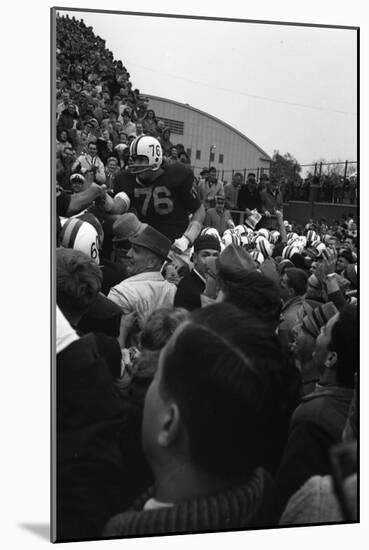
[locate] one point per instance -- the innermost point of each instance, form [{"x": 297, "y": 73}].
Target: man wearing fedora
[{"x": 145, "y": 290}]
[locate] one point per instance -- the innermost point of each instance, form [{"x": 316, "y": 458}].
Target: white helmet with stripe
[
  {"x": 292, "y": 236},
  {"x": 264, "y": 232},
  {"x": 210, "y": 231},
  {"x": 312, "y": 236},
  {"x": 274, "y": 236},
  {"x": 265, "y": 247},
  {"x": 240, "y": 230},
  {"x": 245, "y": 241},
  {"x": 289, "y": 251},
  {"x": 80, "y": 235},
  {"x": 318, "y": 247},
  {"x": 147, "y": 147},
  {"x": 257, "y": 256},
  {"x": 230, "y": 237}
]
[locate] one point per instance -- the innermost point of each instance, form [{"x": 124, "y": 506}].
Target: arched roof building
[{"x": 199, "y": 131}]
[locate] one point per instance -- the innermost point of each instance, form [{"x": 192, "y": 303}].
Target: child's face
[{"x": 171, "y": 274}]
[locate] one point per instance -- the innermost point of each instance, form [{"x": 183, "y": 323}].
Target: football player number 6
[{"x": 93, "y": 251}]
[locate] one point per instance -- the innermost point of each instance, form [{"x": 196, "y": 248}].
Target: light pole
[{"x": 210, "y": 151}]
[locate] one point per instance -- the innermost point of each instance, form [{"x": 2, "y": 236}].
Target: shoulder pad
[{"x": 177, "y": 174}]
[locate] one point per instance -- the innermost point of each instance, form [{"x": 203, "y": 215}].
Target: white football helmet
[
  {"x": 149, "y": 148},
  {"x": 80, "y": 235}
]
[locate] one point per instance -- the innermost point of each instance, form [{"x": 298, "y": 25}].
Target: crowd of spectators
[
  {"x": 196, "y": 392},
  {"x": 330, "y": 188},
  {"x": 97, "y": 104}
]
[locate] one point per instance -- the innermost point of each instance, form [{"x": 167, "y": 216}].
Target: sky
[{"x": 287, "y": 88}]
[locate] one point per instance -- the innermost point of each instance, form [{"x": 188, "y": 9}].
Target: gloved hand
[{"x": 181, "y": 244}]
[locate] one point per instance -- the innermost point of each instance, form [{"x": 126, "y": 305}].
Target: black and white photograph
[
  {"x": 181, "y": 363},
  {"x": 206, "y": 275}
]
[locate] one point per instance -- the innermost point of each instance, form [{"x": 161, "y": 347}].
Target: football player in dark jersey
[{"x": 162, "y": 196}]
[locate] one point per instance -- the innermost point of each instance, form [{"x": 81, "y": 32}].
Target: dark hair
[
  {"x": 297, "y": 279},
  {"x": 91, "y": 142},
  {"x": 257, "y": 295},
  {"x": 60, "y": 131},
  {"x": 344, "y": 341},
  {"x": 227, "y": 373},
  {"x": 298, "y": 261},
  {"x": 78, "y": 280},
  {"x": 183, "y": 153}
]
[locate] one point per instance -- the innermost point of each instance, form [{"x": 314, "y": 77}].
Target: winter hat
[
  {"x": 209, "y": 242},
  {"x": 126, "y": 226},
  {"x": 153, "y": 240},
  {"x": 234, "y": 262},
  {"x": 316, "y": 318}
]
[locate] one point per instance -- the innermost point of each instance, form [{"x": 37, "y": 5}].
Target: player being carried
[{"x": 162, "y": 195}]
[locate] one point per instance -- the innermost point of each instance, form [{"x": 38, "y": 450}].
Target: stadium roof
[{"x": 187, "y": 106}]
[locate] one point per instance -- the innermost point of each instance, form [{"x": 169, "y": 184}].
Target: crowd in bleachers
[
  {"x": 97, "y": 103},
  {"x": 205, "y": 381}
]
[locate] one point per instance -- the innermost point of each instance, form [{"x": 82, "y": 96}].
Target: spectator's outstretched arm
[
  {"x": 334, "y": 292},
  {"x": 82, "y": 200},
  {"x": 281, "y": 226},
  {"x": 326, "y": 274},
  {"x": 100, "y": 174}
]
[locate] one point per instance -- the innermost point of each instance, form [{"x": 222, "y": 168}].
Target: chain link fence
[{"x": 332, "y": 182}]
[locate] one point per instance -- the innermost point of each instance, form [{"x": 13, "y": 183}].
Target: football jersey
[{"x": 166, "y": 203}]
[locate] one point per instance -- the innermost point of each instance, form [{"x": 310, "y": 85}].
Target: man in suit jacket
[{"x": 193, "y": 285}]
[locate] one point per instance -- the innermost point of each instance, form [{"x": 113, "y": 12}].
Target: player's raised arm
[{"x": 192, "y": 232}]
